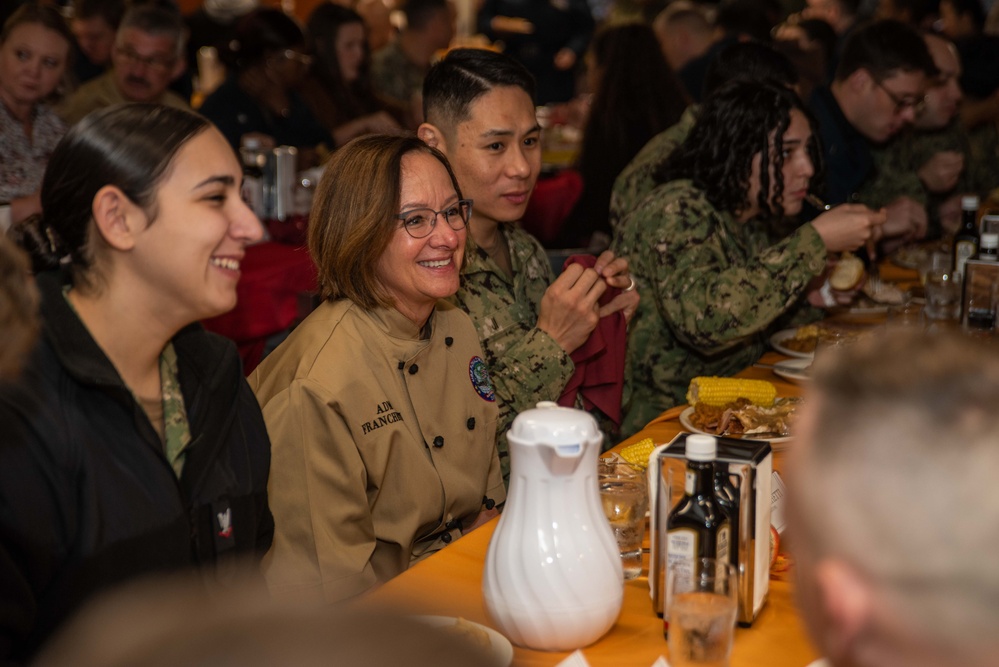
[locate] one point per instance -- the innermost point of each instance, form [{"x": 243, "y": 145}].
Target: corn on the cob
[
  {"x": 638, "y": 454},
  {"x": 719, "y": 391}
]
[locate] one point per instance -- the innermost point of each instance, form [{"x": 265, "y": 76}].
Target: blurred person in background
[
  {"x": 378, "y": 26},
  {"x": 963, "y": 22},
  {"x": 34, "y": 54},
  {"x": 338, "y": 86},
  {"x": 266, "y": 62},
  {"x": 94, "y": 24},
  {"x": 893, "y": 538},
  {"x": 213, "y": 24},
  {"x": 548, "y": 38},
  {"x": 18, "y": 310},
  {"x": 716, "y": 269},
  {"x": 398, "y": 69},
  {"x": 147, "y": 57},
  {"x": 936, "y": 161},
  {"x": 379, "y": 404},
  {"x": 132, "y": 443},
  {"x": 630, "y": 106},
  {"x": 685, "y": 32},
  {"x": 750, "y": 61},
  {"x": 480, "y": 113}
]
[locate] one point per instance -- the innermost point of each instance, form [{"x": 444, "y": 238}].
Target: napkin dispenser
[{"x": 750, "y": 464}]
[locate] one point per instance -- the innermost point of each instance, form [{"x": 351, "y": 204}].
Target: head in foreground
[
  {"x": 388, "y": 226},
  {"x": 479, "y": 110},
  {"x": 892, "y": 503},
  {"x": 743, "y": 171},
  {"x": 143, "y": 201}
]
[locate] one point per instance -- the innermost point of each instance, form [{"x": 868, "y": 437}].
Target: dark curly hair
[{"x": 740, "y": 120}]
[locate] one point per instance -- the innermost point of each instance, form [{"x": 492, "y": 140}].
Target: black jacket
[{"x": 87, "y": 497}]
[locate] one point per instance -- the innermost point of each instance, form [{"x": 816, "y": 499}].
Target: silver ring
[{"x": 631, "y": 286}]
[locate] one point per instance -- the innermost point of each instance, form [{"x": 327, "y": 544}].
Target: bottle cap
[
  {"x": 990, "y": 240},
  {"x": 701, "y": 447},
  {"x": 969, "y": 202}
]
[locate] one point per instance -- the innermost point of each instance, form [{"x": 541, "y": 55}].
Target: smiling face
[
  {"x": 349, "y": 46},
  {"x": 418, "y": 272},
  {"x": 796, "y": 173},
  {"x": 944, "y": 94},
  {"x": 189, "y": 255},
  {"x": 32, "y": 62},
  {"x": 496, "y": 154},
  {"x": 144, "y": 64}
]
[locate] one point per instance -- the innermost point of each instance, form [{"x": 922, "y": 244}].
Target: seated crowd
[{"x": 723, "y": 173}]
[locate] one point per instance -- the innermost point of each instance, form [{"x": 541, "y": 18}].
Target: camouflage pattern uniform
[
  {"x": 712, "y": 291},
  {"x": 394, "y": 77},
  {"x": 897, "y": 162},
  {"x": 526, "y": 364},
  {"x": 635, "y": 181},
  {"x": 176, "y": 430}
]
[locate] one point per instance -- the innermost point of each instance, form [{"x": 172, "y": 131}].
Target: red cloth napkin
[{"x": 599, "y": 374}]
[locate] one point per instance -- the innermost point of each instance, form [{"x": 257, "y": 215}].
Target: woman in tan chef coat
[{"x": 379, "y": 405}]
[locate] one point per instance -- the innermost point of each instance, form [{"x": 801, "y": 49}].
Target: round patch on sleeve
[{"x": 478, "y": 372}]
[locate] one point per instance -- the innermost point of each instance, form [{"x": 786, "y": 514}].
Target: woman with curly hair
[
  {"x": 630, "y": 106},
  {"x": 707, "y": 245}
]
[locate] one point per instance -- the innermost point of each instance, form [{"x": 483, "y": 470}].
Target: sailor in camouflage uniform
[
  {"x": 480, "y": 113},
  {"x": 716, "y": 280},
  {"x": 744, "y": 60},
  {"x": 936, "y": 160}
]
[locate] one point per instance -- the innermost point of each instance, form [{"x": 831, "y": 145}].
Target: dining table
[{"x": 449, "y": 583}]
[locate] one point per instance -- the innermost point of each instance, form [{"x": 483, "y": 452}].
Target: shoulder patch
[{"x": 478, "y": 373}]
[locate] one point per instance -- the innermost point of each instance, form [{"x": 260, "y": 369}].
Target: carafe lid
[
  {"x": 969, "y": 202},
  {"x": 552, "y": 424},
  {"x": 701, "y": 447}
]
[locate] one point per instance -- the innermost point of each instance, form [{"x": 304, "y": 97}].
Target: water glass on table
[
  {"x": 943, "y": 295},
  {"x": 701, "y": 599},
  {"x": 625, "y": 501}
]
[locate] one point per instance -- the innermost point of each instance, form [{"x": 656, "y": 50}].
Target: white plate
[
  {"x": 795, "y": 370},
  {"x": 500, "y": 647},
  {"x": 687, "y": 424},
  {"x": 777, "y": 343}
]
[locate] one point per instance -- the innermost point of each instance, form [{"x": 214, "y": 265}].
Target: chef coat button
[
  {"x": 446, "y": 538},
  {"x": 448, "y": 341},
  {"x": 489, "y": 503},
  {"x": 439, "y": 441},
  {"x": 402, "y": 364},
  {"x": 413, "y": 369},
  {"x": 470, "y": 423}
]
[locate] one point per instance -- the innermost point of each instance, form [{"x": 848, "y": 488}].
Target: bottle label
[
  {"x": 963, "y": 251},
  {"x": 723, "y": 543},
  {"x": 681, "y": 549},
  {"x": 689, "y": 479}
]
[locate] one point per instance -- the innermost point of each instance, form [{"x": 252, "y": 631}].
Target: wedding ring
[{"x": 631, "y": 285}]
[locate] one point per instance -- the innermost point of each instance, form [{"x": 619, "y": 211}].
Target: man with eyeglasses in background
[
  {"x": 937, "y": 160},
  {"x": 878, "y": 89},
  {"x": 146, "y": 57}
]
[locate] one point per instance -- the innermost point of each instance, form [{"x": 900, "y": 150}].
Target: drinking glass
[
  {"x": 982, "y": 305},
  {"x": 943, "y": 295},
  {"x": 702, "y": 600},
  {"x": 625, "y": 502},
  {"x": 935, "y": 261}
]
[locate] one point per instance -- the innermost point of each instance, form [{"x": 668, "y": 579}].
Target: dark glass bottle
[
  {"x": 727, "y": 496},
  {"x": 697, "y": 526},
  {"x": 966, "y": 240}
]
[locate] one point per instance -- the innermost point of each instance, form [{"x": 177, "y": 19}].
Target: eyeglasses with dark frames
[
  {"x": 419, "y": 222},
  {"x": 152, "y": 62},
  {"x": 902, "y": 104}
]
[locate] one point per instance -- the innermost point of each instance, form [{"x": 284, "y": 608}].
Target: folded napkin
[{"x": 599, "y": 374}]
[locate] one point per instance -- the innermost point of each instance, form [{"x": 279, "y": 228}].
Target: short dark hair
[
  {"x": 420, "y": 12},
  {"x": 733, "y": 125},
  {"x": 884, "y": 48},
  {"x": 111, "y": 11},
  {"x": 464, "y": 75},
  {"x": 354, "y": 215},
  {"x": 754, "y": 18},
  {"x": 156, "y": 19},
  {"x": 130, "y": 146},
  {"x": 261, "y": 33},
  {"x": 749, "y": 61}
]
